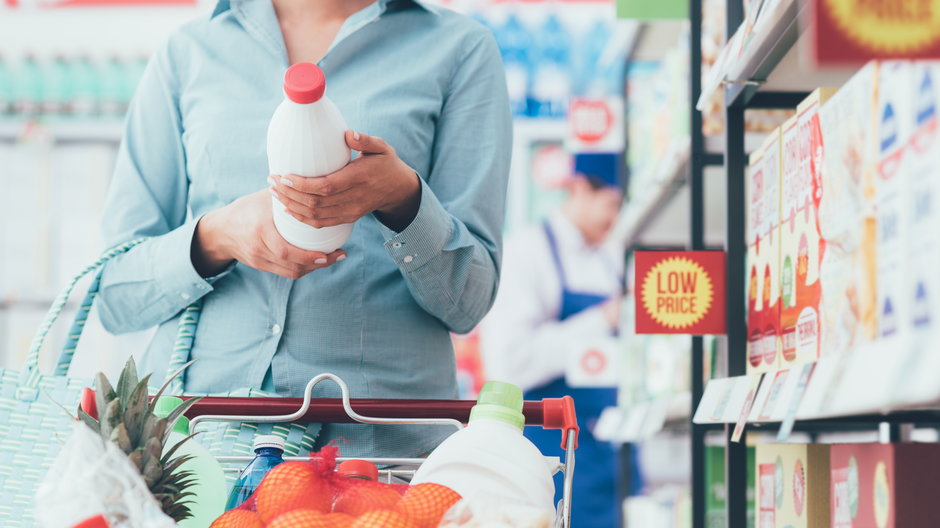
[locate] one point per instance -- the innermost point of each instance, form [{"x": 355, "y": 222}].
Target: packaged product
[
  {"x": 847, "y": 223},
  {"x": 792, "y": 485},
  {"x": 895, "y": 124},
  {"x": 763, "y": 255},
  {"x": 883, "y": 485},
  {"x": 801, "y": 243}
]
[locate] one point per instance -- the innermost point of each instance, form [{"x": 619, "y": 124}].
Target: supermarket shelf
[
  {"x": 103, "y": 130},
  {"x": 646, "y": 419},
  {"x": 642, "y": 208}
]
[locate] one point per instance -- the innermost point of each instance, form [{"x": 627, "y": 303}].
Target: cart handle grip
[
  {"x": 550, "y": 413},
  {"x": 559, "y": 413}
]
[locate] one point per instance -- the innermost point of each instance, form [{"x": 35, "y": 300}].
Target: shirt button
[
  {"x": 200, "y": 286},
  {"x": 276, "y": 329},
  {"x": 396, "y": 245},
  {"x": 184, "y": 295},
  {"x": 408, "y": 259}
]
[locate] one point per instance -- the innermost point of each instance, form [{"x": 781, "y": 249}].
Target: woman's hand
[
  {"x": 244, "y": 231},
  {"x": 377, "y": 182}
]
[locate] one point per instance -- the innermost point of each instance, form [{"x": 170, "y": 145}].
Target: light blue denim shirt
[{"x": 428, "y": 81}]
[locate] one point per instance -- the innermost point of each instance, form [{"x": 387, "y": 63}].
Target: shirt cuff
[
  {"x": 424, "y": 238},
  {"x": 176, "y": 274}
]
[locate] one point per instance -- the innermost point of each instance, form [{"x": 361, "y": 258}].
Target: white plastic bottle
[
  {"x": 491, "y": 456},
  {"x": 306, "y": 138}
]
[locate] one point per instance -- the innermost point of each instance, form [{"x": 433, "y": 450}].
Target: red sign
[
  {"x": 595, "y": 125},
  {"x": 680, "y": 292},
  {"x": 855, "y": 31}
]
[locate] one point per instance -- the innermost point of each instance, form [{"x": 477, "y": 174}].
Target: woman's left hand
[{"x": 378, "y": 181}]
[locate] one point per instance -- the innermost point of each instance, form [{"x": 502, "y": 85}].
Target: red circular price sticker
[{"x": 591, "y": 121}]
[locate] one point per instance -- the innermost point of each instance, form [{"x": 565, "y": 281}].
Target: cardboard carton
[
  {"x": 884, "y": 485},
  {"x": 763, "y": 255},
  {"x": 792, "y": 485},
  {"x": 801, "y": 242},
  {"x": 715, "y": 514},
  {"x": 847, "y": 272}
]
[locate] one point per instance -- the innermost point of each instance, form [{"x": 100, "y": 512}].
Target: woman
[{"x": 423, "y": 91}]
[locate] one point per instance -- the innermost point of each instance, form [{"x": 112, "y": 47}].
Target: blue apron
[{"x": 595, "y": 502}]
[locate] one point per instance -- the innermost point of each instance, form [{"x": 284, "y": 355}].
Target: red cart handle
[{"x": 550, "y": 413}]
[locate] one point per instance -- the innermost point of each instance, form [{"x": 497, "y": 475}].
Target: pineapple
[{"x": 126, "y": 419}]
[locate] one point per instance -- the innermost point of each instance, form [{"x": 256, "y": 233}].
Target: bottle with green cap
[
  {"x": 491, "y": 455},
  {"x": 209, "y": 492}
]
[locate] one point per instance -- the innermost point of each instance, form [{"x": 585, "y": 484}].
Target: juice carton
[
  {"x": 801, "y": 243},
  {"x": 895, "y": 120},
  {"x": 847, "y": 272},
  {"x": 923, "y": 246},
  {"x": 884, "y": 485},
  {"x": 763, "y": 252},
  {"x": 715, "y": 515},
  {"x": 792, "y": 485}
]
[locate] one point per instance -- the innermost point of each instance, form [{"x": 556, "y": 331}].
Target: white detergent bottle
[
  {"x": 306, "y": 138},
  {"x": 491, "y": 455}
]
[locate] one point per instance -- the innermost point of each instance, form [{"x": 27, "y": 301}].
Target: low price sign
[
  {"x": 853, "y": 31},
  {"x": 680, "y": 292}
]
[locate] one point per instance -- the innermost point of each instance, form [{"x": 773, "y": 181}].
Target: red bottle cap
[
  {"x": 98, "y": 521},
  {"x": 304, "y": 83},
  {"x": 359, "y": 469}
]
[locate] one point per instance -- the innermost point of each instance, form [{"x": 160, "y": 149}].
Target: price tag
[
  {"x": 753, "y": 382},
  {"x": 803, "y": 377}
]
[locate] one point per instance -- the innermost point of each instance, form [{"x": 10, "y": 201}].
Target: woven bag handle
[
  {"x": 32, "y": 358},
  {"x": 183, "y": 346}
]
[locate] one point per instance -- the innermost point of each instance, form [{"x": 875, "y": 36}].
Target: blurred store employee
[
  {"x": 558, "y": 304},
  {"x": 425, "y": 92}
]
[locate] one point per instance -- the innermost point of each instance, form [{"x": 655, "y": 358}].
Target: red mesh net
[{"x": 312, "y": 494}]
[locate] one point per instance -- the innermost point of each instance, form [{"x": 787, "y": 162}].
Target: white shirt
[{"x": 522, "y": 340}]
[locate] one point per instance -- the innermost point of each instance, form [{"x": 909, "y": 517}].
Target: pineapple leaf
[
  {"x": 152, "y": 474},
  {"x": 104, "y": 394},
  {"x": 175, "y": 414},
  {"x": 168, "y": 456},
  {"x": 154, "y": 427},
  {"x": 89, "y": 421},
  {"x": 135, "y": 413},
  {"x": 120, "y": 437},
  {"x": 153, "y": 402},
  {"x": 109, "y": 418},
  {"x": 127, "y": 382}
]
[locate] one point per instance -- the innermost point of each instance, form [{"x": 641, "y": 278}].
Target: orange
[
  {"x": 340, "y": 520},
  {"x": 426, "y": 503},
  {"x": 366, "y": 497},
  {"x": 292, "y": 486},
  {"x": 238, "y": 519},
  {"x": 383, "y": 519},
  {"x": 301, "y": 519}
]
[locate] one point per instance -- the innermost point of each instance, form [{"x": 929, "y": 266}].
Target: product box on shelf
[
  {"x": 884, "y": 485},
  {"x": 763, "y": 261},
  {"x": 801, "y": 243},
  {"x": 792, "y": 485},
  {"x": 715, "y": 515},
  {"x": 847, "y": 272},
  {"x": 895, "y": 124}
]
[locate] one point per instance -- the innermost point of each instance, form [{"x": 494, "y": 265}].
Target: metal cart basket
[{"x": 550, "y": 413}]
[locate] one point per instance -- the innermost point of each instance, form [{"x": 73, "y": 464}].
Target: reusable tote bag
[{"x": 34, "y": 425}]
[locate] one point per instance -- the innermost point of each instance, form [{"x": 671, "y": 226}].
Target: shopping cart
[{"x": 550, "y": 413}]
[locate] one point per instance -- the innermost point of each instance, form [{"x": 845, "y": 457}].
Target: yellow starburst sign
[
  {"x": 680, "y": 292},
  {"x": 858, "y": 30}
]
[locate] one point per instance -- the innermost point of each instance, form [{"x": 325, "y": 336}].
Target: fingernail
[
  {"x": 273, "y": 192},
  {"x": 340, "y": 258},
  {"x": 355, "y": 135},
  {"x": 272, "y": 181},
  {"x": 320, "y": 261},
  {"x": 287, "y": 182}
]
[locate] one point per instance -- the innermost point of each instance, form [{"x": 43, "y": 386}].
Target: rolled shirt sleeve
[
  {"x": 148, "y": 198},
  {"x": 450, "y": 253}
]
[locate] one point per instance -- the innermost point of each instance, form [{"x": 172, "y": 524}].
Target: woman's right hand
[{"x": 244, "y": 231}]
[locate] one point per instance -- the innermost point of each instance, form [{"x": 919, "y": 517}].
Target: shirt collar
[
  {"x": 224, "y": 5},
  {"x": 568, "y": 234}
]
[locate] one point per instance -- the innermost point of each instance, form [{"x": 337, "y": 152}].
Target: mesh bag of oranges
[{"x": 311, "y": 494}]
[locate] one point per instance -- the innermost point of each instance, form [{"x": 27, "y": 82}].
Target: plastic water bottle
[
  {"x": 514, "y": 42},
  {"x": 306, "y": 137},
  {"x": 551, "y": 85},
  {"x": 209, "y": 478},
  {"x": 6, "y": 88},
  {"x": 591, "y": 72},
  {"x": 491, "y": 456},
  {"x": 268, "y": 452}
]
